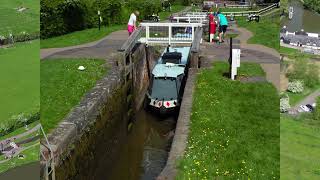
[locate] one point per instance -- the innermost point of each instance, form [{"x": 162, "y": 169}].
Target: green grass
[
  {"x": 63, "y": 86},
  {"x": 12, "y": 21},
  {"x": 31, "y": 154},
  {"x": 266, "y": 32},
  {"x": 20, "y": 79},
  {"x": 235, "y": 9},
  {"x": 90, "y": 35},
  {"x": 229, "y": 35},
  {"x": 234, "y": 129},
  {"x": 164, "y": 15},
  {"x": 79, "y": 37},
  {"x": 295, "y": 53},
  {"x": 299, "y": 149},
  {"x": 251, "y": 69}
]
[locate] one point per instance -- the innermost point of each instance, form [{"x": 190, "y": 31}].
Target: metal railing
[
  {"x": 241, "y": 13},
  {"x": 169, "y": 33},
  {"x": 49, "y": 169},
  {"x": 191, "y": 19}
]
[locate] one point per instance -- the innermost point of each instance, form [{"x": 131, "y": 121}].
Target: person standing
[
  {"x": 132, "y": 22},
  {"x": 223, "y": 25},
  {"x": 212, "y": 26}
]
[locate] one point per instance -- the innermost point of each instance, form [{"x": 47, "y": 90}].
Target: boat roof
[
  {"x": 183, "y": 50},
  {"x": 168, "y": 70}
]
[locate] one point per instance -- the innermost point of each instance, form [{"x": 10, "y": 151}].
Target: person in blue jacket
[{"x": 223, "y": 25}]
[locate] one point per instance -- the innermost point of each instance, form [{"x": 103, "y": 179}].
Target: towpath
[
  {"x": 268, "y": 58},
  {"x": 101, "y": 49},
  {"x": 307, "y": 100}
]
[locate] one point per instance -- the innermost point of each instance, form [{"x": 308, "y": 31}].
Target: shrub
[
  {"x": 18, "y": 121},
  {"x": 300, "y": 67},
  {"x": 295, "y": 87},
  {"x": 284, "y": 103},
  {"x": 305, "y": 71},
  {"x": 58, "y": 17},
  {"x": 312, "y": 77}
]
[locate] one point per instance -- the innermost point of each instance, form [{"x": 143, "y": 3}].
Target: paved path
[
  {"x": 268, "y": 58},
  {"x": 101, "y": 49},
  {"x": 18, "y": 152},
  {"x": 308, "y": 100},
  {"x": 30, "y": 131},
  {"x": 98, "y": 49}
]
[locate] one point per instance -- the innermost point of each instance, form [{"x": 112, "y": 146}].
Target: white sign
[{"x": 235, "y": 62}]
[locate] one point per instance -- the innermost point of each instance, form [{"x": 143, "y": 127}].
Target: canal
[
  {"x": 302, "y": 18},
  {"x": 29, "y": 171},
  {"x": 145, "y": 153}
]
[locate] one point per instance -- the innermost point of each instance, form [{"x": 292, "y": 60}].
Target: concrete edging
[{"x": 180, "y": 139}]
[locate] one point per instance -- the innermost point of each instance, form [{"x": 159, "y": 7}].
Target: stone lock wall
[{"x": 86, "y": 142}]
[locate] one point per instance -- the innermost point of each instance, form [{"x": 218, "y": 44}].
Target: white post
[
  {"x": 147, "y": 34},
  {"x": 192, "y": 35},
  {"x": 170, "y": 34},
  {"x": 235, "y": 62}
]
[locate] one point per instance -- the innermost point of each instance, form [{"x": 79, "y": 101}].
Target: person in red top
[{"x": 212, "y": 26}]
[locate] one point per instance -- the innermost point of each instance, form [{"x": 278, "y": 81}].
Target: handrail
[
  {"x": 131, "y": 41},
  {"x": 167, "y": 33}
]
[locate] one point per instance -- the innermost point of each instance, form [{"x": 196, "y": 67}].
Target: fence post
[
  {"x": 170, "y": 34},
  {"x": 147, "y": 34}
]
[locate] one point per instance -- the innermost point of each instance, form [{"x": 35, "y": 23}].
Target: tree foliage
[
  {"x": 312, "y": 4},
  {"x": 64, "y": 16}
]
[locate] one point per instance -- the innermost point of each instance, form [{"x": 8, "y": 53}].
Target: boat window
[{"x": 164, "y": 89}]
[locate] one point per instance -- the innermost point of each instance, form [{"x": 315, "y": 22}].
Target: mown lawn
[
  {"x": 295, "y": 53},
  {"x": 266, "y": 32},
  {"x": 12, "y": 21},
  {"x": 79, "y": 37},
  {"x": 299, "y": 148},
  {"x": 234, "y": 129},
  {"x": 164, "y": 15},
  {"x": 20, "y": 79},
  {"x": 63, "y": 86}
]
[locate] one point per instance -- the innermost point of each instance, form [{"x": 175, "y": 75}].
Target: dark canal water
[
  {"x": 26, "y": 172},
  {"x": 145, "y": 154},
  {"x": 303, "y": 18}
]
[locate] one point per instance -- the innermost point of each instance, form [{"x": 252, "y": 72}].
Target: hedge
[
  {"x": 60, "y": 17},
  {"x": 18, "y": 121},
  {"x": 21, "y": 37}
]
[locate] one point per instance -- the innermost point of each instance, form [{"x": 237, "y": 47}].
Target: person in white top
[{"x": 132, "y": 22}]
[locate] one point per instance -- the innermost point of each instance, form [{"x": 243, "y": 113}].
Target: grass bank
[
  {"x": 294, "y": 98},
  {"x": 295, "y": 53},
  {"x": 63, "y": 86},
  {"x": 164, "y": 15},
  {"x": 234, "y": 130},
  {"x": 299, "y": 148},
  {"x": 20, "y": 79},
  {"x": 13, "y": 21},
  {"x": 31, "y": 155},
  {"x": 79, "y": 37},
  {"x": 265, "y": 32}
]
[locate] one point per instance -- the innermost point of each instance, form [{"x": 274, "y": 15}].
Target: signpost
[
  {"x": 100, "y": 19},
  {"x": 234, "y": 60}
]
